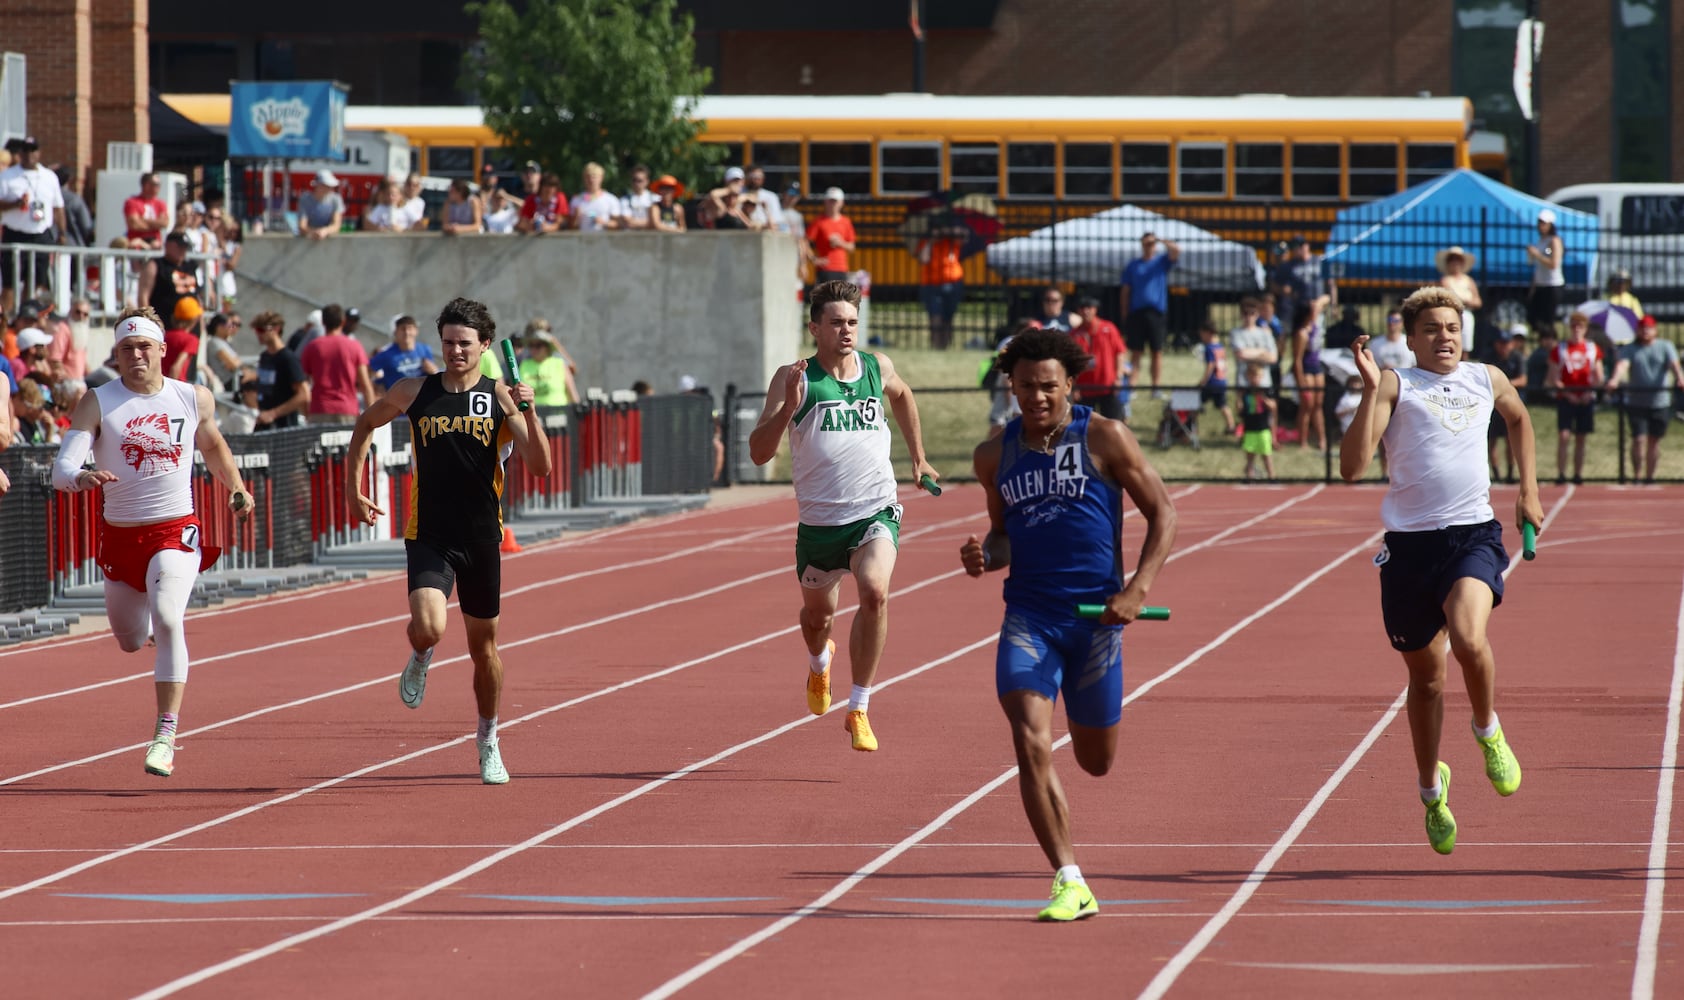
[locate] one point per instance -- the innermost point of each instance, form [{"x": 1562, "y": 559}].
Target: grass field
[{"x": 954, "y": 413}]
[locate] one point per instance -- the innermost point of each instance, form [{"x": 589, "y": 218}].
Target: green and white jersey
[{"x": 839, "y": 446}]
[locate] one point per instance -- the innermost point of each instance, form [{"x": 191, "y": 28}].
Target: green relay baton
[
  {"x": 1528, "y": 541},
  {"x": 1147, "y": 614},
  {"x": 929, "y": 486},
  {"x": 513, "y": 368}
]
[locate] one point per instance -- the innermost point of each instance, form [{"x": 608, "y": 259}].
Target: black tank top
[{"x": 457, "y": 438}]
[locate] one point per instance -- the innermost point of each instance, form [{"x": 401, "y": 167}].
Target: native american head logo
[{"x": 149, "y": 446}]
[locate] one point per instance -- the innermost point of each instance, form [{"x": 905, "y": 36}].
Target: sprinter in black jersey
[{"x": 460, "y": 423}]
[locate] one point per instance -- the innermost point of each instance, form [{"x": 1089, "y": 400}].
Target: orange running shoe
[
  {"x": 818, "y": 685},
  {"x": 859, "y": 727}
]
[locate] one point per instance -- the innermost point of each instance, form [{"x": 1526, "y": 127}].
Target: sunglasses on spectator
[{"x": 79, "y": 314}]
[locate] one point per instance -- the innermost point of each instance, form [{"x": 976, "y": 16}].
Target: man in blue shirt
[
  {"x": 403, "y": 357},
  {"x": 1146, "y": 302}
]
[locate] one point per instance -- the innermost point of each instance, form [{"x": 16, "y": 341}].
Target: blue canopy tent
[{"x": 1399, "y": 238}]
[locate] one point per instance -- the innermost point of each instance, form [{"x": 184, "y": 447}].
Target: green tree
[{"x": 569, "y": 82}]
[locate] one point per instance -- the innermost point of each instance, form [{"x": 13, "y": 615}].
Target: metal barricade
[
  {"x": 238, "y": 539},
  {"x": 107, "y": 278},
  {"x": 72, "y": 539},
  {"x": 527, "y": 493},
  {"x": 330, "y": 514}
]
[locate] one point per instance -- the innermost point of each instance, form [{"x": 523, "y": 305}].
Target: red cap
[{"x": 1646, "y": 321}]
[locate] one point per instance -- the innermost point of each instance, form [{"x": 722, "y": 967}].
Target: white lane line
[
  {"x": 718, "y": 959},
  {"x": 1654, "y": 889},
  {"x": 246, "y": 958},
  {"x": 1189, "y": 952},
  {"x": 392, "y": 619},
  {"x": 379, "y": 577}
]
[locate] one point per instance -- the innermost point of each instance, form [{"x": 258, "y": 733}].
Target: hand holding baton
[
  {"x": 1147, "y": 614},
  {"x": 513, "y": 368},
  {"x": 929, "y": 486}
]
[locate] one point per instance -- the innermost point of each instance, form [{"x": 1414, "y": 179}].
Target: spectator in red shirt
[
  {"x": 1097, "y": 387},
  {"x": 832, "y": 236},
  {"x": 146, "y": 216},
  {"x": 337, "y": 367},
  {"x": 941, "y": 282},
  {"x": 181, "y": 341},
  {"x": 546, "y": 211},
  {"x": 1575, "y": 369}
]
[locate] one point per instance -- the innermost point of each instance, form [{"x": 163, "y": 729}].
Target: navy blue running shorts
[{"x": 1418, "y": 569}]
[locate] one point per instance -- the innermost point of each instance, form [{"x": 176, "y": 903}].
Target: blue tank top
[{"x": 1063, "y": 517}]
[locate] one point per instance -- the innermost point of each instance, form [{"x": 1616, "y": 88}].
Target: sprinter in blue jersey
[{"x": 1055, "y": 481}]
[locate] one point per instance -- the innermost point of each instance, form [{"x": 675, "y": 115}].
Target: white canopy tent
[{"x": 1094, "y": 249}]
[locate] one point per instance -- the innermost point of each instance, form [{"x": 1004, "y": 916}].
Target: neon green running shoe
[
  {"x": 1070, "y": 901},
  {"x": 1500, "y": 765},
  {"x": 1441, "y": 826}
]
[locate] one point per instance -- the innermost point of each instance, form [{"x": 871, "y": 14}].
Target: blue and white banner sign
[{"x": 294, "y": 120}]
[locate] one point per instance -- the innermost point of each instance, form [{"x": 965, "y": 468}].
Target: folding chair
[{"x": 1181, "y": 419}]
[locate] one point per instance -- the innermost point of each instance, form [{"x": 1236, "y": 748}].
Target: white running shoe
[
  {"x": 412, "y": 683},
  {"x": 491, "y": 769},
  {"x": 160, "y": 757}
]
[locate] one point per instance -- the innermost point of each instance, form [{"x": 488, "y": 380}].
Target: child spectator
[
  {"x": 1213, "y": 384},
  {"x": 1257, "y": 414},
  {"x": 546, "y": 211},
  {"x": 666, "y": 214},
  {"x": 181, "y": 341}
]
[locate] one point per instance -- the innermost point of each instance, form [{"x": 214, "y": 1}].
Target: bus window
[
  {"x": 1087, "y": 170},
  {"x": 1201, "y": 169},
  {"x": 1030, "y": 172},
  {"x": 1373, "y": 169},
  {"x": 1425, "y": 160},
  {"x": 1315, "y": 170},
  {"x": 1258, "y": 170},
  {"x": 909, "y": 167},
  {"x": 974, "y": 169},
  {"x": 780, "y": 160},
  {"x": 450, "y": 161},
  {"x": 846, "y": 165},
  {"x": 1145, "y": 169}
]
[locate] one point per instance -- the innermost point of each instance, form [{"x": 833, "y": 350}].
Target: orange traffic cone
[{"x": 509, "y": 543}]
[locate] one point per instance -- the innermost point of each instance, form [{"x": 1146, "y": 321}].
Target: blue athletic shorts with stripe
[
  {"x": 1419, "y": 568},
  {"x": 1084, "y": 659}
]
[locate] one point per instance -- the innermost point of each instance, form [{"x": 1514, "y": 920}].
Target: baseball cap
[
  {"x": 534, "y": 167},
  {"x": 325, "y": 176},
  {"x": 1515, "y": 332},
  {"x": 1647, "y": 321},
  {"x": 22, "y": 142},
  {"x": 686, "y": 383},
  {"x": 179, "y": 238},
  {"x": 353, "y": 313},
  {"x": 733, "y": 174},
  {"x": 1547, "y": 215},
  {"x": 834, "y": 194},
  {"x": 198, "y": 206},
  {"x": 188, "y": 309},
  {"x": 33, "y": 337}
]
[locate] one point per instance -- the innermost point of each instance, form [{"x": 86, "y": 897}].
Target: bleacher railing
[{"x": 108, "y": 279}]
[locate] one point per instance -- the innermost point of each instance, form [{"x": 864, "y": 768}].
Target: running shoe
[
  {"x": 1070, "y": 901},
  {"x": 491, "y": 769},
  {"x": 412, "y": 683},
  {"x": 859, "y": 727},
  {"x": 1500, "y": 765},
  {"x": 1441, "y": 826},
  {"x": 160, "y": 757},
  {"x": 818, "y": 685}
]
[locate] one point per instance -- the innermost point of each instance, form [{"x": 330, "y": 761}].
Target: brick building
[{"x": 1610, "y": 99}]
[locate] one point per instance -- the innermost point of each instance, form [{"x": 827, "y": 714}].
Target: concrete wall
[{"x": 627, "y": 305}]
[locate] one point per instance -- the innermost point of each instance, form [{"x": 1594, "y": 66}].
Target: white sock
[
  {"x": 487, "y": 730},
  {"x": 817, "y": 664},
  {"x": 1431, "y": 795},
  {"x": 1071, "y": 873},
  {"x": 858, "y": 698},
  {"x": 1488, "y": 731}
]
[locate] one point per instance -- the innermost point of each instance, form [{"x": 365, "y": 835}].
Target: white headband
[{"x": 139, "y": 326}]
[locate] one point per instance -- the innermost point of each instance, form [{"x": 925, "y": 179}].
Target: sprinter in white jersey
[
  {"x": 1441, "y": 567},
  {"x": 833, "y": 406},
  {"x": 142, "y": 430}
]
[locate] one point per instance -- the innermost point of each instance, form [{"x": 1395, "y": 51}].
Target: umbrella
[
  {"x": 972, "y": 218},
  {"x": 1618, "y": 322}
]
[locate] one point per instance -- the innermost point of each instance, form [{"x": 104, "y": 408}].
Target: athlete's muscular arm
[
  {"x": 899, "y": 395},
  {"x": 1374, "y": 413},
  {"x": 783, "y": 398},
  {"x": 1527, "y": 507},
  {"x": 1116, "y": 452},
  {"x": 382, "y": 412},
  {"x": 218, "y": 458},
  {"x": 527, "y": 428},
  {"x": 995, "y": 550}
]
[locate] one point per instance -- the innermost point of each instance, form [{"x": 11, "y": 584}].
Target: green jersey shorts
[{"x": 823, "y": 552}]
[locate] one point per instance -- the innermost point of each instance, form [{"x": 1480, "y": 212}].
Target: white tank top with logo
[
  {"x": 148, "y": 442},
  {"x": 1436, "y": 446},
  {"x": 839, "y": 446}
]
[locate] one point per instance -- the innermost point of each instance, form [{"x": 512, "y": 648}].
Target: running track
[{"x": 679, "y": 825}]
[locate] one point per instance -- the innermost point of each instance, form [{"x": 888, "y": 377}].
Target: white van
[{"x": 1642, "y": 232}]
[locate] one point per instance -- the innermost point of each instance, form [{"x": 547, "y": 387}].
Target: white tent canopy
[{"x": 1093, "y": 250}]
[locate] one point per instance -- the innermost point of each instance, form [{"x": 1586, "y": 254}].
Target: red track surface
[{"x": 678, "y": 823}]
